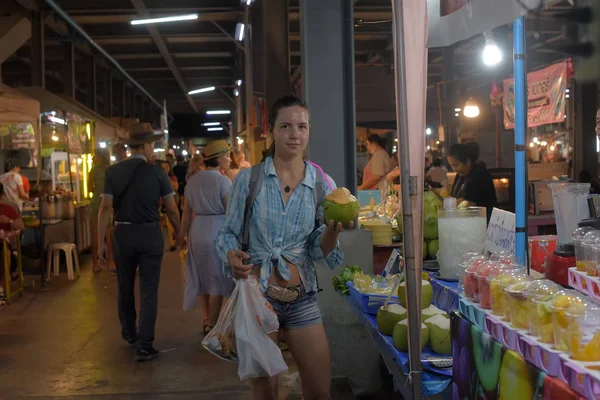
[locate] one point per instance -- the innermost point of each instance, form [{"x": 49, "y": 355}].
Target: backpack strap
[
  {"x": 318, "y": 197},
  {"x": 256, "y": 180}
]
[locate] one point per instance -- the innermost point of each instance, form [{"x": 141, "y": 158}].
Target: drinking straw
[{"x": 317, "y": 166}]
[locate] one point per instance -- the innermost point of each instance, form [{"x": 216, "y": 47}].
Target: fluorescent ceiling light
[
  {"x": 174, "y": 18},
  {"x": 218, "y": 112},
  {"x": 159, "y": 150},
  {"x": 247, "y": 2},
  {"x": 211, "y": 124},
  {"x": 238, "y": 82},
  {"x": 56, "y": 120},
  {"x": 219, "y": 128},
  {"x": 206, "y": 89},
  {"x": 239, "y": 32}
]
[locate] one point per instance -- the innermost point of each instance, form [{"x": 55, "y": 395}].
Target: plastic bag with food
[{"x": 258, "y": 355}]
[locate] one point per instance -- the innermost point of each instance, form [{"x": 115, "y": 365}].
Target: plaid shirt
[{"x": 277, "y": 232}]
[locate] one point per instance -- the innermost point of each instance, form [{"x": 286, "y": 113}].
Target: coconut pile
[{"x": 435, "y": 328}]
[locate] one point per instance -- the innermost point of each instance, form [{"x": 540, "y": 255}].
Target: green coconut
[
  {"x": 439, "y": 334},
  {"x": 340, "y": 206},
  {"x": 400, "y": 335},
  {"x": 388, "y": 316},
  {"x": 433, "y": 247},
  {"x": 430, "y": 226},
  {"x": 431, "y": 311},
  {"x": 426, "y": 294}
]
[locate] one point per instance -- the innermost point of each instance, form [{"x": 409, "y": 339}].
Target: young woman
[
  {"x": 378, "y": 166},
  {"x": 284, "y": 243},
  {"x": 206, "y": 196},
  {"x": 473, "y": 181},
  {"x": 96, "y": 179}
]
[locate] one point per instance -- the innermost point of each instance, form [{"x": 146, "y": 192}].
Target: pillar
[
  {"x": 69, "y": 70},
  {"x": 38, "y": 67},
  {"x": 586, "y": 105},
  {"x": 271, "y": 53},
  {"x": 123, "y": 97},
  {"x": 91, "y": 84},
  {"x": 328, "y": 85},
  {"x": 327, "y": 49},
  {"x": 449, "y": 98}
]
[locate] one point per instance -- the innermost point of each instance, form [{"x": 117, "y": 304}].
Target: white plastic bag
[
  {"x": 220, "y": 341},
  {"x": 258, "y": 355}
]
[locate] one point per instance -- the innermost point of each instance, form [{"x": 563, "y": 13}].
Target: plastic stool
[{"x": 54, "y": 257}]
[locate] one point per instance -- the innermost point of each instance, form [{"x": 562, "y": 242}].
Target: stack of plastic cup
[
  {"x": 577, "y": 239},
  {"x": 590, "y": 239},
  {"x": 539, "y": 294}
]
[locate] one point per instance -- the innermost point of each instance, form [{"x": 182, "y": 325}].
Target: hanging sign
[
  {"x": 393, "y": 264},
  {"x": 500, "y": 234},
  {"x": 546, "y": 97}
]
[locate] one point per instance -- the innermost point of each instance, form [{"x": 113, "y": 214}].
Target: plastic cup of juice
[
  {"x": 484, "y": 278},
  {"x": 498, "y": 301},
  {"x": 538, "y": 295},
  {"x": 517, "y": 277},
  {"x": 582, "y": 334},
  {"x": 561, "y": 302},
  {"x": 577, "y": 239},
  {"x": 465, "y": 262},
  {"x": 518, "y": 305},
  {"x": 482, "y": 272},
  {"x": 470, "y": 284},
  {"x": 589, "y": 240}
]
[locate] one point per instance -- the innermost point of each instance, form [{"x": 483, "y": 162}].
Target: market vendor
[
  {"x": 473, "y": 182},
  {"x": 13, "y": 183},
  {"x": 378, "y": 166}
]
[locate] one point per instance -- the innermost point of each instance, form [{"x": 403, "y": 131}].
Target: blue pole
[{"x": 520, "y": 133}]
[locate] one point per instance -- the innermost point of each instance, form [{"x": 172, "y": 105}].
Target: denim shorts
[{"x": 301, "y": 313}]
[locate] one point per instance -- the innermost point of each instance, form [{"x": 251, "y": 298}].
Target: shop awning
[{"x": 51, "y": 102}]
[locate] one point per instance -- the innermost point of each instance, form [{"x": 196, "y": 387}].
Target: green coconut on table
[
  {"x": 400, "y": 335},
  {"x": 439, "y": 334}
]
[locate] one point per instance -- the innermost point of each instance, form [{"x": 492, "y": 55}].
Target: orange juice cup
[
  {"x": 539, "y": 315},
  {"x": 517, "y": 304},
  {"x": 565, "y": 301}
]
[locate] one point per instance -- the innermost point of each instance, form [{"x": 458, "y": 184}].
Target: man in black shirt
[{"x": 133, "y": 188}]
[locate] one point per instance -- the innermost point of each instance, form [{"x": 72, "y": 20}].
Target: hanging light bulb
[
  {"x": 491, "y": 53},
  {"x": 471, "y": 109}
]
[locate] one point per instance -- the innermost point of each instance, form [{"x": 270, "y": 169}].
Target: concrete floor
[{"x": 63, "y": 342}]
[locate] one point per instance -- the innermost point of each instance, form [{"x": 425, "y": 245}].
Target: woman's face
[
  {"x": 225, "y": 162},
  {"x": 459, "y": 167},
  {"x": 371, "y": 147},
  {"x": 291, "y": 131},
  {"x": 166, "y": 166}
]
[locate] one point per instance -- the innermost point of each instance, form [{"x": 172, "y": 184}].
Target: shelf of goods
[{"x": 582, "y": 377}]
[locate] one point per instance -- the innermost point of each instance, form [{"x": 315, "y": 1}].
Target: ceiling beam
[{"x": 162, "y": 48}]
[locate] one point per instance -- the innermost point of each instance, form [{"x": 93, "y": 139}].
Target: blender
[{"x": 570, "y": 207}]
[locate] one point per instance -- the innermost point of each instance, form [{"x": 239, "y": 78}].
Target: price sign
[
  {"x": 500, "y": 234},
  {"x": 393, "y": 263}
]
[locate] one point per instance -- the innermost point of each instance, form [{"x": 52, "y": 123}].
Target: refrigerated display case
[{"x": 67, "y": 172}]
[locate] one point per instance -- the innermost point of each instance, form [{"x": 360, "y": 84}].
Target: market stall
[{"x": 68, "y": 127}]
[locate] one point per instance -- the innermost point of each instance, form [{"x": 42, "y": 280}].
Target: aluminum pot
[
  {"x": 49, "y": 207},
  {"x": 65, "y": 207}
]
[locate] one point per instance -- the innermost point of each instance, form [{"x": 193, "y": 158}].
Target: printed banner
[
  {"x": 484, "y": 369},
  {"x": 22, "y": 136},
  {"x": 546, "y": 101}
]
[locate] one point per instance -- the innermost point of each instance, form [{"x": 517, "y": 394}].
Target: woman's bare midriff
[{"x": 276, "y": 278}]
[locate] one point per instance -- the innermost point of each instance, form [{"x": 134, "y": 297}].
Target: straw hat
[
  {"x": 141, "y": 134},
  {"x": 215, "y": 149}
]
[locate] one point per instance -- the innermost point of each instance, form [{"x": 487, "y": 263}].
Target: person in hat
[
  {"x": 133, "y": 189},
  {"x": 206, "y": 197},
  {"x": 119, "y": 151}
]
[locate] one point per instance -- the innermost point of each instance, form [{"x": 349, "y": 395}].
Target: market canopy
[{"x": 17, "y": 108}]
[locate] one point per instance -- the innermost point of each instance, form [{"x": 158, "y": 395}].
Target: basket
[{"x": 368, "y": 303}]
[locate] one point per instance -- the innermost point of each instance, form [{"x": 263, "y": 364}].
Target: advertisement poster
[
  {"x": 22, "y": 136},
  {"x": 484, "y": 369},
  {"x": 546, "y": 101}
]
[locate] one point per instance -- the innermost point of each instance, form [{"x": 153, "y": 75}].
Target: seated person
[{"x": 10, "y": 220}]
